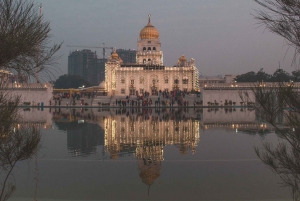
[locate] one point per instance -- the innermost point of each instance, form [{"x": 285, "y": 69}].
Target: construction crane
[{"x": 103, "y": 48}]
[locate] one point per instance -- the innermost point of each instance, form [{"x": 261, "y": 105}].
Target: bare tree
[
  {"x": 24, "y": 38},
  {"x": 282, "y": 17},
  {"x": 24, "y": 48},
  {"x": 281, "y": 100},
  {"x": 18, "y": 140}
]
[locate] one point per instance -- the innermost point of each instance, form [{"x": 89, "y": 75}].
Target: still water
[{"x": 95, "y": 154}]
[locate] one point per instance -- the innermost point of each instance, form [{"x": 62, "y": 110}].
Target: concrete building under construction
[{"x": 87, "y": 65}]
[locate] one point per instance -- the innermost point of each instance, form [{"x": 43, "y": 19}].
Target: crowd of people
[
  {"x": 165, "y": 99},
  {"x": 58, "y": 97}
]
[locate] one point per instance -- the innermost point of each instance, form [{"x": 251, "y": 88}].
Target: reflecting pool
[{"x": 135, "y": 154}]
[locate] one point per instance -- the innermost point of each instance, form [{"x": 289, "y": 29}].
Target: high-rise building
[
  {"x": 86, "y": 64},
  {"x": 128, "y": 56}
]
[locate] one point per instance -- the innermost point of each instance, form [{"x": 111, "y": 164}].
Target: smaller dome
[
  {"x": 114, "y": 55},
  {"x": 182, "y": 58}
]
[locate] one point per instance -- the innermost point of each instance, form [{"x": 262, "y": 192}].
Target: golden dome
[
  {"x": 114, "y": 55},
  {"x": 182, "y": 58},
  {"x": 149, "y": 31}
]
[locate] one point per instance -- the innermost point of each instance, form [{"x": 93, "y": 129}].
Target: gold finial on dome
[{"x": 149, "y": 31}]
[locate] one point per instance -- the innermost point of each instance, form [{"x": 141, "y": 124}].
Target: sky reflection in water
[{"x": 202, "y": 154}]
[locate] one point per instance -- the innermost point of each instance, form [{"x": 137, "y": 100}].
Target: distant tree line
[
  {"x": 70, "y": 81},
  {"x": 278, "y": 76}
]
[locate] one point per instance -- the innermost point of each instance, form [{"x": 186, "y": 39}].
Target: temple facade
[{"x": 148, "y": 73}]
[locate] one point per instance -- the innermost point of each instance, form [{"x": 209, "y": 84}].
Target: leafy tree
[
  {"x": 278, "y": 76},
  {"x": 247, "y": 77},
  {"x": 261, "y": 76},
  {"x": 281, "y": 76},
  {"x": 251, "y": 76},
  {"x": 296, "y": 76},
  {"x": 70, "y": 81}
]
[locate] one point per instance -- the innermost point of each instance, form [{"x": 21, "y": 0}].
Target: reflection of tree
[
  {"x": 17, "y": 145},
  {"x": 17, "y": 141},
  {"x": 284, "y": 157}
]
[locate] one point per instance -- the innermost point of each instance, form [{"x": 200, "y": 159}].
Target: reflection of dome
[
  {"x": 114, "y": 156},
  {"x": 183, "y": 150},
  {"x": 149, "y": 31},
  {"x": 149, "y": 176},
  {"x": 102, "y": 85},
  {"x": 182, "y": 58}
]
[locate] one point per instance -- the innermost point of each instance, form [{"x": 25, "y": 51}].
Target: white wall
[{"x": 221, "y": 95}]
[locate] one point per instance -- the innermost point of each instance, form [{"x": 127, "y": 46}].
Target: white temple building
[{"x": 149, "y": 74}]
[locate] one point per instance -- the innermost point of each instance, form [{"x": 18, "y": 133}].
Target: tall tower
[{"x": 149, "y": 46}]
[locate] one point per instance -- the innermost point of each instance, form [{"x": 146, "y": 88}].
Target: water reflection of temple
[{"x": 146, "y": 135}]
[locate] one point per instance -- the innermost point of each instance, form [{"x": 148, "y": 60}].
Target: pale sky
[{"x": 221, "y": 35}]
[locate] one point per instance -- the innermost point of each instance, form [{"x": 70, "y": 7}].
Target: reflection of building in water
[
  {"x": 149, "y": 171},
  {"x": 146, "y": 136},
  {"x": 36, "y": 116},
  {"x": 82, "y": 139},
  {"x": 245, "y": 120}
]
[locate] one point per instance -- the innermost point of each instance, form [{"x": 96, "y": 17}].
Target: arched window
[
  {"x": 123, "y": 80},
  {"x": 144, "y": 61},
  {"x": 141, "y": 80},
  {"x": 149, "y": 59},
  {"x": 144, "y": 48},
  {"x": 149, "y": 48},
  {"x": 154, "y": 48},
  {"x": 166, "y": 80},
  {"x": 176, "y": 81}
]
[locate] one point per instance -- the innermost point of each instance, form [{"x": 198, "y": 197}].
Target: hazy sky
[{"x": 221, "y": 35}]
